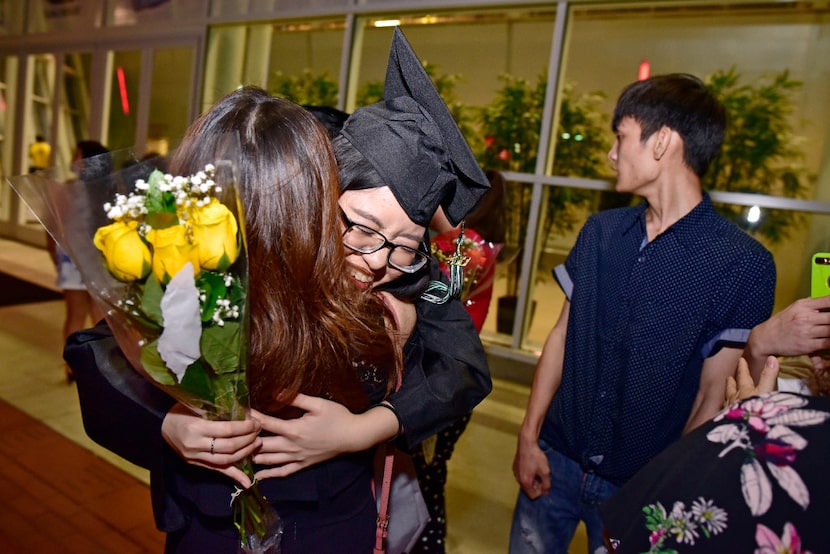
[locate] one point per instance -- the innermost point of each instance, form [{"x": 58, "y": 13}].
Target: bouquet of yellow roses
[{"x": 165, "y": 255}]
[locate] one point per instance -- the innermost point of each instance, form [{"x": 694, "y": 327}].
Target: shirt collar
[{"x": 686, "y": 229}]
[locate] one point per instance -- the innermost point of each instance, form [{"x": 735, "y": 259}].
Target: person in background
[
  {"x": 660, "y": 299},
  {"x": 89, "y": 162},
  {"x": 40, "y": 153},
  {"x": 483, "y": 239}
]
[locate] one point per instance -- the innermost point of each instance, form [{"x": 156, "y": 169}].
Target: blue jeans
[{"x": 547, "y": 525}]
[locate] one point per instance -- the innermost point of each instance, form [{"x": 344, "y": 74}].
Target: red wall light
[
  {"x": 644, "y": 71},
  {"x": 122, "y": 88}
]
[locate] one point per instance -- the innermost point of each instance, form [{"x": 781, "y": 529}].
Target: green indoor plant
[
  {"x": 511, "y": 124},
  {"x": 306, "y": 89},
  {"x": 761, "y": 151}
]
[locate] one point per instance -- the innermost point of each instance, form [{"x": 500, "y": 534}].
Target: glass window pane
[
  {"x": 12, "y": 16},
  {"x": 305, "y": 61},
  {"x": 43, "y": 85},
  {"x": 123, "y": 91},
  {"x": 170, "y": 98},
  {"x": 75, "y": 110}
]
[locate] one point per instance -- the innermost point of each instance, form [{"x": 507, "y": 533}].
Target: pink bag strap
[
  {"x": 382, "y": 530},
  {"x": 383, "y": 507}
]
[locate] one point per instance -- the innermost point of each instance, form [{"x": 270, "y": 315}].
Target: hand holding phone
[{"x": 820, "y": 275}]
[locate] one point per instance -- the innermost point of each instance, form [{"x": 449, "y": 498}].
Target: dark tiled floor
[{"x": 56, "y": 496}]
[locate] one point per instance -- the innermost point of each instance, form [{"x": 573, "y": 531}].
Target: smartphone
[{"x": 820, "y": 275}]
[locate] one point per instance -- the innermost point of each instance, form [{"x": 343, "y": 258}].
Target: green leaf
[
  {"x": 220, "y": 347},
  {"x": 154, "y": 366},
  {"x": 151, "y": 299},
  {"x": 213, "y": 286},
  {"x": 198, "y": 381}
]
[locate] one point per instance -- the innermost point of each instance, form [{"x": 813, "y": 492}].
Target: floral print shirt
[{"x": 750, "y": 480}]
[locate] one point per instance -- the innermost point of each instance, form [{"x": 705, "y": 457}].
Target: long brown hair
[{"x": 309, "y": 324}]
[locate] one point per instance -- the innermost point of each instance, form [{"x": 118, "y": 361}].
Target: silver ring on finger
[{"x": 212, "y": 445}]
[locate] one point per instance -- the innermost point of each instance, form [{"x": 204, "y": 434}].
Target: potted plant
[
  {"x": 511, "y": 126},
  {"x": 306, "y": 89},
  {"x": 761, "y": 152}
]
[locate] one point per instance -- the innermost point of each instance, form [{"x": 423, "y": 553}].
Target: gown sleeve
[{"x": 446, "y": 373}]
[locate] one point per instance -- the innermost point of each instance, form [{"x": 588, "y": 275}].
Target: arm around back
[{"x": 121, "y": 410}]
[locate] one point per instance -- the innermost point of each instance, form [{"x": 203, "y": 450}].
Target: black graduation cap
[{"x": 412, "y": 141}]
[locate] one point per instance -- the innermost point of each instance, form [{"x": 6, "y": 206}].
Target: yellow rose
[
  {"x": 171, "y": 251},
  {"x": 214, "y": 233},
  {"x": 127, "y": 257}
]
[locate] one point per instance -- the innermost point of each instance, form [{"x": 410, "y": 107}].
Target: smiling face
[
  {"x": 633, "y": 160},
  {"x": 378, "y": 209}
]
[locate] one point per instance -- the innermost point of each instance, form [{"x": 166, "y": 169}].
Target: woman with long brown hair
[{"x": 311, "y": 331}]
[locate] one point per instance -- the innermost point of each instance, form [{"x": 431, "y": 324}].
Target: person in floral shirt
[{"x": 750, "y": 480}]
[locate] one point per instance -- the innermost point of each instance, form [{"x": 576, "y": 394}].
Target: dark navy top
[{"x": 643, "y": 317}]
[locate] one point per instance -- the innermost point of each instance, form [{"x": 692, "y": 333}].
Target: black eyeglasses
[{"x": 366, "y": 240}]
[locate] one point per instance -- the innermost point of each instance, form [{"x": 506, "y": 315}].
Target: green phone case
[{"x": 820, "y": 275}]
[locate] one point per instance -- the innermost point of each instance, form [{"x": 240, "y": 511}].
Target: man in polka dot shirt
[{"x": 660, "y": 300}]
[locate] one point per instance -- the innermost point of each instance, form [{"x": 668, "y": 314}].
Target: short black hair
[
  {"x": 683, "y": 103},
  {"x": 331, "y": 118}
]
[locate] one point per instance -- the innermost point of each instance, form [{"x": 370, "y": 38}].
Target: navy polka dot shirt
[{"x": 643, "y": 317}]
